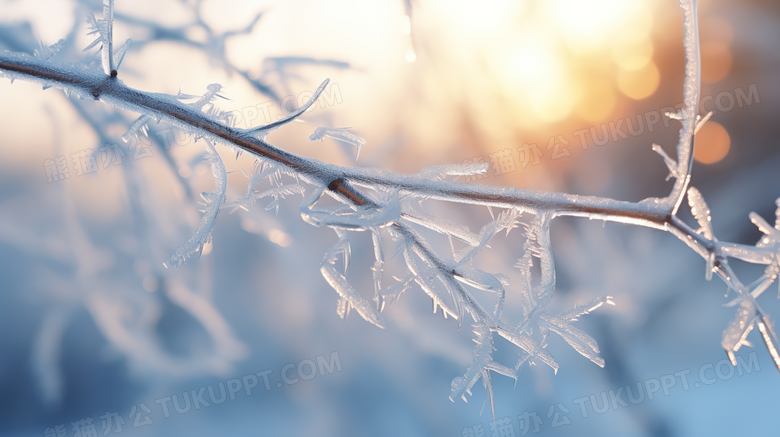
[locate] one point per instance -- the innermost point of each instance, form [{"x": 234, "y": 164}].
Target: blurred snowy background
[{"x": 91, "y": 322}]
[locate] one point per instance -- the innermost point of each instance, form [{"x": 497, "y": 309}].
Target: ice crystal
[
  {"x": 213, "y": 204},
  {"x": 340, "y": 134}
]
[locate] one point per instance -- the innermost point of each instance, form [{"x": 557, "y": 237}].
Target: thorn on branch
[{"x": 335, "y": 184}]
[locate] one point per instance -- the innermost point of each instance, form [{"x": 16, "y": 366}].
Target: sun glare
[
  {"x": 536, "y": 75},
  {"x": 712, "y": 143},
  {"x": 562, "y": 57},
  {"x": 639, "y": 84},
  {"x": 590, "y": 26}
]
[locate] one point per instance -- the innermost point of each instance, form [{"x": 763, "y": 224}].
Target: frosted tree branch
[{"x": 382, "y": 202}]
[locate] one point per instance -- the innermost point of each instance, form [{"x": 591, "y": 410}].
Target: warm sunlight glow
[
  {"x": 589, "y": 26},
  {"x": 596, "y": 100},
  {"x": 632, "y": 50},
  {"x": 712, "y": 143},
  {"x": 538, "y": 76},
  {"x": 715, "y": 61},
  {"x": 547, "y": 60},
  {"x": 641, "y": 83},
  {"x": 479, "y": 17}
]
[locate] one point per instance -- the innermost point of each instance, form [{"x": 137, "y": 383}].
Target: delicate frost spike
[
  {"x": 671, "y": 164},
  {"x": 431, "y": 283},
  {"x": 182, "y": 96},
  {"x": 137, "y": 125},
  {"x": 45, "y": 52},
  {"x": 506, "y": 220},
  {"x": 573, "y": 314},
  {"x": 771, "y": 232},
  {"x": 743, "y": 341},
  {"x": 93, "y": 27},
  {"x": 481, "y": 365},
  {"x": 702, "y": 121},
  {"x": 262, "y": 131},
  {"x": 739, "y": 326},
  {"x": 119, "y": 55},
  {"x": 393, "y": 293},
  {"x": 674, "y": 115},
  {"x": 441, "y": 225},
  {"x": 579, "y": 340},
  {"x": 379, "y": 257},
  {"x": 767, "y": 334},
  {"x": 732, "y": 358},
  {"x": 344, "y": 247},
  {"x": 108, "y": 45},
  {"x": 340, "y": 134},
  {"x": 529, "y": 345},
  {"x": 208, "y": 96},
  {"x": 104, "y": 29},
  {"x": 339, "y": 283},
  {"x": 206, "y": 104},
  {"x": 482, "y": 280},
  {"x": 280, "y": 193},
  {"x": 278, "y": 190},
  {"x": 701, "y": 212},
  {"x": 214, "y": 203},
  {"x": 546, "y": 285},
  {"x": 710, "y": 266}
]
